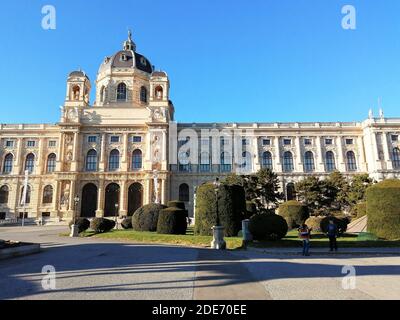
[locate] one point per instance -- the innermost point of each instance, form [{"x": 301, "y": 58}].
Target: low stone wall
[{"x": 23, "y": 250}]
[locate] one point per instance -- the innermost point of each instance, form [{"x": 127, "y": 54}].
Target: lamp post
[
  {"x": 116, "y": 215},
  {"x": 218, "y": 241},
  {"x": 75, "y": 227}
]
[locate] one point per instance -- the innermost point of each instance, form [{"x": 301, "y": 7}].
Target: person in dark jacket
[{"x": 332, "y": 234}]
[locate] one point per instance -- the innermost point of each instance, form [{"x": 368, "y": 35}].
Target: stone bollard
[
  {"x": 218, "y": 242},
  {"x": 247, "y": 236},
  {"x": 74, "y": 231}
]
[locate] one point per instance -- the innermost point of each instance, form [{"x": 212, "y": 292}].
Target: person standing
[
  {"x": 305, "y": 235},
  {"x": 332, "y": 234}
]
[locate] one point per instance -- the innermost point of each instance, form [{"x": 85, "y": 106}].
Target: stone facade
[{"x": 113, "y": 153}]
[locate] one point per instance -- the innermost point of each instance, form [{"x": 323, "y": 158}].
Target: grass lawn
[
  {"x": 152, "y": 237},
  {"x": 320, "y": 240}
]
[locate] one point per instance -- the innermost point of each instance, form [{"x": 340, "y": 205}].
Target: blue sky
[{"x": 228, "y": 60}]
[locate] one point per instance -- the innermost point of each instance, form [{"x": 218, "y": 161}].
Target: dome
[
  {"x": 79, "y": 73},
  {"x": 159, "y": 74},
  {"x": 127, "y": 58}
]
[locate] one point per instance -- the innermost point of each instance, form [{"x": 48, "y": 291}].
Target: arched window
[
  {"x": 267, "y": 160},
  {"x": 8, "y": 163},
  {"x": 4, "y": 194},
  {"x": 143, "y": 94},
  {"x": 288, "y": 162},
  {"x": 76, "y": 92},
  {"x": 113, "y": 163},
  {"x": 159, "y": 93},
  {"x": 204, "y": 162},
  {"x": 290, "y": 192},
  {"x": 137, "y": 160},
  {"x": 30, "y": 162},
  {"x": 184, "y": 161},
  {"x": 51, "y": 163},
  {"x": 48, "y": 195},
  {"x": 184, "y": 192},
  {"x": 246, "y": 164},
  {"x": 330, "y": 161},
  {"x": 226, "y": 162},
  {"x": 102, "y": 93},
  {"x": 28, "y": 195},
  {"x": 396, "y": 158},
  {"x": 309, "y": 165},
  {"x": 121, "y": 92},
  {"x": 351, "y": 161},
  {"x": 91, "y": 160}
]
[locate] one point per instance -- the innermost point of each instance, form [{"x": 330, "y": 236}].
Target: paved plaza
[{"x": 89, "y": 268}]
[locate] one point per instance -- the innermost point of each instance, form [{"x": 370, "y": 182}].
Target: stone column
[
  {"x": 385, "y": 145},
  {"x": 363, "y": 162},
  {"x": 341, "y": 165},
  {"x": 320, "y": 157},
  {"x": 277, "y": 165},
  {"x": 163, "y": 192},
  {"x": 100, "y": 200},
  {"x": 72, "y": 194},
  {"x": 17, "y": 162},
  {"x": 299, "y": 156},
  {"x": 102, "y": 164},
  {"x": 123, "y": 199},
  {"x": 375, "y": 151},
  {"x": 255, "y": 150},
  {"x": 60, "y": 152},
  {"x": 124, "y": 162},
  {"x": 41, "y": 159},
  {"x": 74, "y": 164}
]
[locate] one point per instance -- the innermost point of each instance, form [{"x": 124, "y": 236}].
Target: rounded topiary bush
[
  {"x": 176, "y": 204},
  {"x": 294, "y": 212},
  {"x": 101, "y": 225},
  {"x": 172, "y": 221},
  {"x": 383, "y": 209},
  {"x": 341, "y": 223},
  {"x": 314, "y": 223},
  {"x": 146, "y": 217},
  {"x": 127, "y": 223},
  {"x": 268, "y": 227},
  {"x": 82, "y": 223}
]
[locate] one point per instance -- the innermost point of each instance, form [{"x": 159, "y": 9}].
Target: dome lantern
[{"x": 129, "y": 44}]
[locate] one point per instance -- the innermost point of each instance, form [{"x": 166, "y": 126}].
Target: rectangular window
[
  {"x": 287, "y": 142},
  {"x": 328, "y": 141},
  {"x": 395, "y": 138},
  {"x": 9, "y": 144},
  {"x": 114, "y": 139},
  {"x": 31, "y": 143},
  {"x": 137, "y": 139},
  {"x": 307, "y": 142},
  {"x": 52, "y": 143},
  {"x": 349, "y": 141},
  {"x": 244, "y": 142},
  {"x": 266, "y": 142},
  {"x": 92, "y": 139}
]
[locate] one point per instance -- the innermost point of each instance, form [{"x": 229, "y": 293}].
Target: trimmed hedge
[
  {"x": 83, "y": 224},
  {"x": 146, "y": 217},
  {"x": 127, "y": 223},
  {"x": 176, "y": 204},
  {"x": 360, "y": 210},
  {"x": 294, "y": 212},
  {"x": 102, "y": 225},
  {"x": 172, "y": 221},
  {"x": 383, "y": 209},
  {"x": 268, "y": 227},
  {"x": 231, "y": 207}
]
